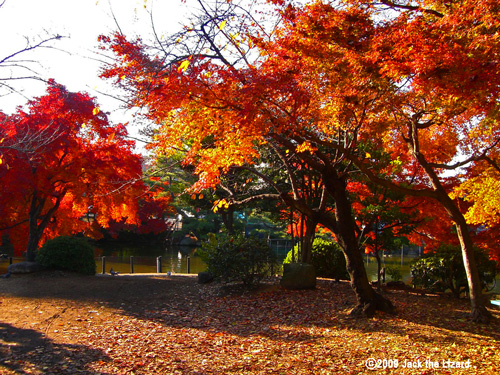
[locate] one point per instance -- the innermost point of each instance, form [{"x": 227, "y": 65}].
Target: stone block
[
  {"x": 298, "y": 276},
  {"x": 25, "y": 267}
]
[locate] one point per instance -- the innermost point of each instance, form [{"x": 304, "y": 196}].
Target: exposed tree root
[
  {"x": 369, "y": 308},
  {"x": 480, "y": 315}
]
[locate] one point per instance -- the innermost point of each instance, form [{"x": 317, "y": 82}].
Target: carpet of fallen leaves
[{"x": 68, "y": 324}]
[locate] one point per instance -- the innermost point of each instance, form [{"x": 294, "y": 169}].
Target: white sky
[{"x": 72, "y": 64}]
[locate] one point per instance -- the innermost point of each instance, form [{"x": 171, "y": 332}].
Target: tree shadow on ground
[
  {"x": 179, "y": 301},
  {"x": 172, "y": 324},
  {"x": 444, "y": 312},
  {"x": 29, "y": 351}
]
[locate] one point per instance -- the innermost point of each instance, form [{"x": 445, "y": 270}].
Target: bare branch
[
  {"x": 30, "y": 48},
  {"x": 392, "y": 4},
  {"x": 255, "y": 198}
]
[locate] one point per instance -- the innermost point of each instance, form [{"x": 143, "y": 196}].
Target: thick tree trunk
[
  {"x": 369, "y": 300},
  {"x": 33, "y": 241}
]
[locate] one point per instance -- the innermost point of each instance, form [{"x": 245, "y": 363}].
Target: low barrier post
[{"x": 158, "y": 264}]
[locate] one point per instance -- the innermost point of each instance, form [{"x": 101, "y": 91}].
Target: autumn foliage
[
  {"x": 330, "y": 85},
  {"x": 65, "y": 169}
]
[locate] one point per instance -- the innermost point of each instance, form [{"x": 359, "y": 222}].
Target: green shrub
[
  {"x": 236, "y": 258},
  {"x": 68, "y": 253},
  {"x": 327, "y": 258},
  {"x": 394, "y": 273},
  {"x": 444, "y": 269}
]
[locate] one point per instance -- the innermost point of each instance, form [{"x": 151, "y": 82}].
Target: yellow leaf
[
  {"x": 184, "y": 65},
  {"x": 368, "y": 156},
  {"x": 200, "y": 196},
  {"x": 222, "y": 25},
  {"x": 96, "y": 111},
  {"x": 84, "y": 125},
  {"x": 306, "y": 146}
]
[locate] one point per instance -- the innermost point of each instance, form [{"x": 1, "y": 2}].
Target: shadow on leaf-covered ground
[{"x": 162, "y": 324}]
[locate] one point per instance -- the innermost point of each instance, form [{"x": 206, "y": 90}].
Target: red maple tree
[
  {"x": 327, "y": 81},
  {"x": 61, "y": 159}
]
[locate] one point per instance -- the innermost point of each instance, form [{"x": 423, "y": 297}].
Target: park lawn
[{"x": 52, "y": 323}]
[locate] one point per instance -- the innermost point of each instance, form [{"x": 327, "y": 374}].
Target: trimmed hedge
[{"x": 69, "y": 254}]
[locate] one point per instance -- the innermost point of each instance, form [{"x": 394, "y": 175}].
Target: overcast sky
[{"x": 71, "y": 61}]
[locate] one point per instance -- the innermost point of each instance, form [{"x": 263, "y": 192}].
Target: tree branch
[{"x": 392, "y": 4}]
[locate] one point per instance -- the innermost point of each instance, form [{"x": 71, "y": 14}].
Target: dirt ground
[{"x": 54, "y": 323}]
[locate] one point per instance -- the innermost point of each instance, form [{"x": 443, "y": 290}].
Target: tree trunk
[
  {"x": 479, "y": 313},
  {"x": 33, "y": 240},
  {"x": 34, "y": 234},
  {"x": 308, "y": 240},
  {"x": 369, "y": 300},
  {"x": 38, "y": 222},
  {"x": 379, "y": 267},
  {"x": 228, "y": 219},
  {"x": 377, "y": 255}
]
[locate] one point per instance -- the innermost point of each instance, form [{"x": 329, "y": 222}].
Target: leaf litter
[{"x": 173, "y": 325}]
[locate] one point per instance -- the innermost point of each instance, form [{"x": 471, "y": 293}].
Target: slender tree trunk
[
  {"x": 38, "y": 222},
  {"x": 377, "y": 255},
  {"x": 479, "y": 313},
  {"x": 379, "y": 267},
  {"x": 34, "y": 234},
  {"x": 228, "y": 219},
  {"x": 308, "y": 240}
]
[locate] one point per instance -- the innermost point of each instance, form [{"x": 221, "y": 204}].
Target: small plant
[
  {"x": 236, "y": 258},
  {"x": 68, "y": 253},
  {"x": 394, "y": 273},
  {"x": 326, "y": 257}
]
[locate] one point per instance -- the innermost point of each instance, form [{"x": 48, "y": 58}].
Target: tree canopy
[
  {"x": 330, "y": 83},
  {"x": 61, "y": 160}
]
